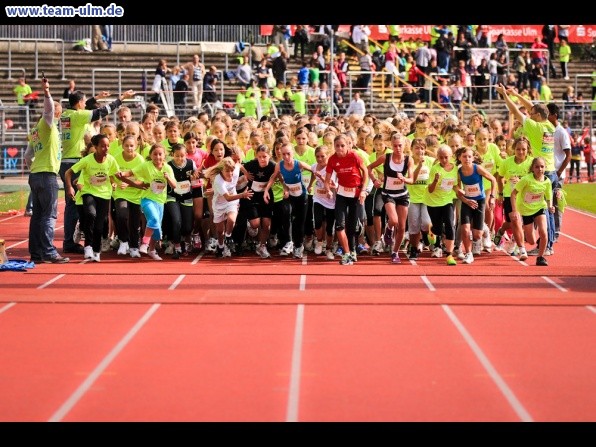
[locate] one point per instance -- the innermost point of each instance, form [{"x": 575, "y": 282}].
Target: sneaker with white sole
[
  {"x": 346, "y": 259},
  {"x": 549, "y": 252},
  {"x": 395, "y": 258},
  {"x": 461, "y": 255},
  {"x": 88, "y": 250},
  {"x": 144, "y": 248},
  {"x": 262, "y": 251},
  {"x": 510, "y": 247},
  {"x": 330, "y": 255},
  {"x": 487, "y": 244},
  {"x": 287, "y": 249},
  {"x": 299, "y": 252},
  {"x": 523, "y": 254},
  {"x": 123, "y": 248},
  {"x": 226, "y": 252},
  {"x": 96, "y": 257},
  {"x": 273, "y": 241},
  {"x": 468, "y": 258},
  {"x": 153, "y": 255},
  {"x": 477, "y": 247},
  {"x": 437, "y": 253},
  {"x": 534, "y": 252},
  {"x": 169, "y": 250},
  {"x": 135, "y": 253},
  {"x": 211, "y": 245},
  {"x": 377, "y": 248},
  {"x": 318, "y": 248}
]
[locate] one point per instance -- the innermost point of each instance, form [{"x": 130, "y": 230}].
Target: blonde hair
[{"x": 227, "y": 163}]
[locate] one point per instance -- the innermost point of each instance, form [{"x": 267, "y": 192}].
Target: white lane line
[
  {"x": 90, "y": 380},
  {"x": 428, "y": 283},
  {"x": 550, "y": 281},
  {"x": 175, "y": 283},
  {"x": 515, "y": 258},
  {"x": 198, "y": 258},
  {"x": 580, "y": 212},
  {"x": 592, "y": 308},
  {"x": 577, "y": 240},
  {"x": 302, "y": 283},
  {"x": 11, "y": 217},
  {"x": 492, "y": 372},
  {"x": 294, "y": 392},
  {"x": 6, "y": 307},
  {"x": 51, "y": 281}
]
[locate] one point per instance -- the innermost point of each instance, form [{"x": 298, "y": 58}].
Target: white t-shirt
[
  {"x": 221, "y": 187},
  {"x": 562, "y": 142}
]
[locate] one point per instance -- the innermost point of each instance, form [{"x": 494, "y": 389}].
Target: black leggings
[
  {"x": 442, "y": 219},
  {"x": 298, "y": 216},
  {"x": 280, "y": 221},
  {"x": 128, "y": 222},
  {"x": 321, "y": 213},
  {"x": 574, "y": 164},
  {"x": 346, "y": 217},
  {"x": 95, "y": 211},
  {"x": 180, "y": 218}
]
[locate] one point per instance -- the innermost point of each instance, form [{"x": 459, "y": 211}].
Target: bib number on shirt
[
  {"x": 182, "y": 187},
  {"x": 530, "y": 197},
  {"x": 394, "y": 184},
  {"x": 472, "y": 190},
  {"x": 157, "y": 187},
  {"x": 447, "y": 184},
  {"x": 295, "y": 189},
  {"x": 258, "y": 186},
  {"x": 346, "y": 192},
  {"x": 97, "y": 180}
]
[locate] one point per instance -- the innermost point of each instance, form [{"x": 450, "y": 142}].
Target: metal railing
[{"x": 36, "y": 42}]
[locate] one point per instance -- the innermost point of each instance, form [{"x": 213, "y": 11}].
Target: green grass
[
  {"x": 17, "y": 198},
  {"x": 581, "y": 196}
]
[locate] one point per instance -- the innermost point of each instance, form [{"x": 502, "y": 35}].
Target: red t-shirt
[
  {"x": 209, "y": 161},
  {"x": 347, "y": 170}
]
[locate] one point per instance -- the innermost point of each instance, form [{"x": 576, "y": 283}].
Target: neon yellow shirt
[
  {"x": 532, "y": 195},
  {"x": 96, "y": 176}
]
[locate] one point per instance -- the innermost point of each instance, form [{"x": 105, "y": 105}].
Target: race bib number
[
  {"x": 530, "y": 197},
  {"x": 157, "y": 187},
  {"x": 182, "y": 187},
  {"x": 489, "y": 165},
  {"x": 306, "y": 178},
  {"x": 513, "y": 181},
  {"x": 346, "y": 192},
  {"x": 423, "y": 175},
  {"x": 472, "y": 190},
  {"x": 447, "y": 184},
  {"x": 320, "y": 192},
  {"x": 258, "y": 186},
  {"x": 97, "y": 180},
  {"x": 393, "y": 184},
  {"x": 295, "y": 189}
]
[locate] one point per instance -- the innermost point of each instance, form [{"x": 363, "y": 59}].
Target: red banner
[{"x": 513, "y": 33}]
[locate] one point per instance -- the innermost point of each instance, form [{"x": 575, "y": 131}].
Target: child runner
[
  {"x": 152, "y": 176},
  {"x": 398, "y": 171},
  {"x": 438, "y": 197},
  {"x": 289, "y": 171},
  {"x": 198, "y": 155},
  {"x": 224, "y": 177},
  {"x": 257, "y": 212},
  {"x": 179, "y": 202},
  {"x": 529, "y": 199},
  {"x": 324, "y": 203},
  {"x": 97, "y": 171},
  {"x": 511, "y": 170},
  {"x": 127, "y": 201},
  {"x": 352, "y": 178},
  {"x": 471, "y": 193}
]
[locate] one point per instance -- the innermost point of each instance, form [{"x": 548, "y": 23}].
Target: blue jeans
[
  {"x": 71, "y": 216},
  {"x": 44, "y": 190},
  {"x": 550, "y": 217}
]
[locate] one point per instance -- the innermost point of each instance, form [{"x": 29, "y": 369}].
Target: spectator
[
  {"x": 356, "y": 107},
  {"x": 160, "y": 75},
  {"x": 196, "y": 71},
  {"x": 280, "y": 65},
  {"x": 300, "y": 40},
  {"x": 564, "y": 55},
  {"x": 70, "y": 89},
  {"x": 341, "y": 68},
  {"x": 244, "y": 73},
  {"x": 180, "y": 90},
  {"x": 23, "y": 94}
]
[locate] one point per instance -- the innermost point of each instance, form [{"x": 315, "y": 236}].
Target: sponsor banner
[
  {"x": 512, "y": 33},
  {"x": 12, "y": 159}
]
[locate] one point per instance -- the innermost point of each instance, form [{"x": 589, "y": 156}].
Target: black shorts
[
  {"x": 397, "y": 201},
  {"x": 197, "y": 192},
  {"x": 507, "y": 208},
  {"x": 475, "y": 217},
  {"x": 256, "y": 210},
  {"x": 530, "y": 219}
]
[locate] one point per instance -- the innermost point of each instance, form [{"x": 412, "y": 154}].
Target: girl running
[
  {"x": 529, "y": 199},
  {"x": 151, "y": 176}
]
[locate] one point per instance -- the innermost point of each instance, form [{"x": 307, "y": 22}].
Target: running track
[{"x": 245, "y": 339}]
